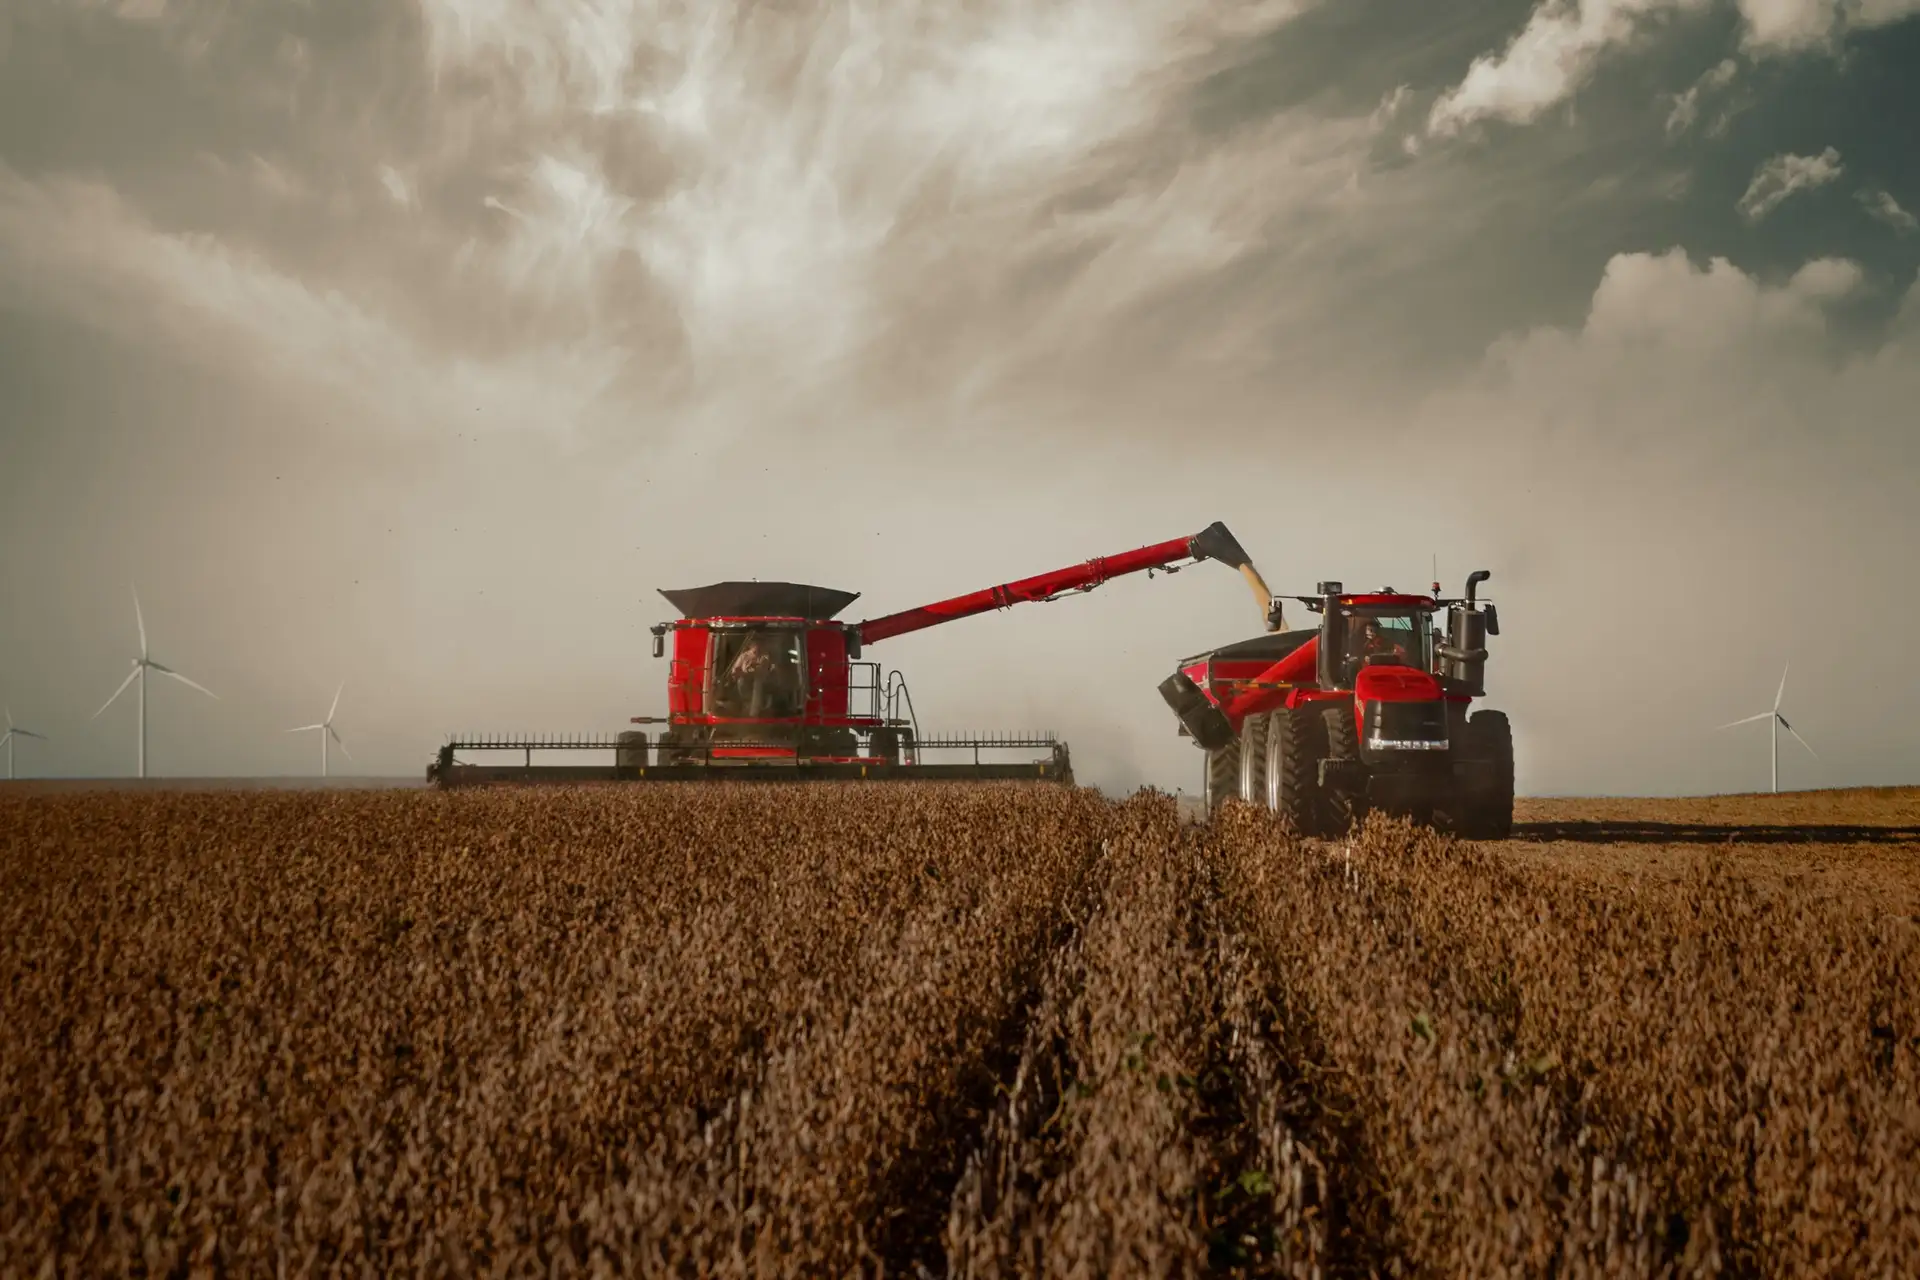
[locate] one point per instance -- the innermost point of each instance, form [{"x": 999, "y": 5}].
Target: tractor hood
[
  {"x": 759, "y": 600},
  {"x": 1395, "y": 684}
]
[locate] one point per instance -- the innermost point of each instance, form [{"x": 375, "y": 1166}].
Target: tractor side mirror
[
  {"x": 1493, "y": 621},
  {"x": 659, "y": 644}
]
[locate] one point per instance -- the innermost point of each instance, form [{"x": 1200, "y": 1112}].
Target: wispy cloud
[
  {"x": 1552, "y": 57},
  {"x": 77, "y": 246},
  {"x": 798, "y": 166},
  {"x": 1785, "y": 175},
  {"x": 1790, "y": 26},
  {"x": 1686, "y": 106},
  {"x": 1881, "y": 205}
]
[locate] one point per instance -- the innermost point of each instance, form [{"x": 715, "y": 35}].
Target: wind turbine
[
  {"x": 15, "y": 731},
  {"x": 141, "y": 665},
  {"x": 326, "y": 731},
  {"x": 1779, "y": 723}
]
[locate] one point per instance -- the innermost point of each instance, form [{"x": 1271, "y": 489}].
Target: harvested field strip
[
  {"x": 1733, "y": 1041},
  {"x": 1480, "y": 1169},
  {"x": 1123, "y": 1147}
]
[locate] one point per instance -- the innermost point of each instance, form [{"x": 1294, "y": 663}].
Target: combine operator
[{"x": 761, "y": 678}]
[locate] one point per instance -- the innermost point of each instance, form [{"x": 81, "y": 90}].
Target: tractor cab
[{"x": 1384, "y": 629}]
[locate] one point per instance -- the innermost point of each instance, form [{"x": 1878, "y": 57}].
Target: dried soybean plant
[
  {"x": 979, "y": 1030},
  {"x": 488, "y": 1030}
]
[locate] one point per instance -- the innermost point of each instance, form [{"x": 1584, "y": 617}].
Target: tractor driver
[{"x": 1375, "y": 642}]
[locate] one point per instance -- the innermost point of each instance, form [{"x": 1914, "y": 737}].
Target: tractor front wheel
[
  {"x": 1293, "y": 747},
  {"x": 1488, "y": 809},
  {"x": 1340, "y": 807}
]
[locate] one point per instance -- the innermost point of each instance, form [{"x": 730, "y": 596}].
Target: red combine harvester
[
  {"x": 1368, "y": 711},
  {"x": 765, "y": 683}
]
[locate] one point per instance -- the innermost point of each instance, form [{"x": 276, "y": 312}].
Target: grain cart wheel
[
  {"x": 1223, "y": 776},
  {"x": 1340, "y": 808},
  {"x": 1253, "y": 760},
  {"x": 1293, "y": 751},
  {"x": 1488, "y": 809},
  {"x": 885, "y": 743}
]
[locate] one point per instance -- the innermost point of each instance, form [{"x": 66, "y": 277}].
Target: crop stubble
[{"x": 984, "y": 1030}]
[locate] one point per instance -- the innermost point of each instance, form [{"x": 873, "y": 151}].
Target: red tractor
[{"x": 1367, "y": 711}]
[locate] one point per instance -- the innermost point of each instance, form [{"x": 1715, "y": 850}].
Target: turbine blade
[
  {"x": 141, "y": 619},
  {"x": 1783, "y": 687},
  {"x": 336, "y": 701},
  {"x": 306, "y": 727},
  {"x": 336, "y": 742},
  {"x": 183, "y": 680},
  {"x": 28, "y": 733},
  {"x": 9, "y": 717},
  {"x": 1797, "y": 738},
  {"x": 131, "y": 677},
  {"x": 1749, "y": 720}
]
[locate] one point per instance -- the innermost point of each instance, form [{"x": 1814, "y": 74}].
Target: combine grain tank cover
[{"x": 759, "y": 600}]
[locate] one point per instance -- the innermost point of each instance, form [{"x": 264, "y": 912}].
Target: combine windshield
[
  {"x": 757, "y": 673},
  {"x": 1398, "y": 636}
]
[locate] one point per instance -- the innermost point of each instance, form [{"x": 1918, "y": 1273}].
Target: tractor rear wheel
[
  {"x": 1293, "y": 747},
  {"x": 1223, "y": 776},
  {"x": 1340, "y": 808},
  {"x": 1253, "y": 761},
  {"x": 1488, "y": 809}
]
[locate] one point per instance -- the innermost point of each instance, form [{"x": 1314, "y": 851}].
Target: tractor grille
[{"x": 1406, "y": 726}]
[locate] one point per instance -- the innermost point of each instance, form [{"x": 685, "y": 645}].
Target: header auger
[
  {"x": 763, "y": 681},
  {"x": 1369, "y": 710}
]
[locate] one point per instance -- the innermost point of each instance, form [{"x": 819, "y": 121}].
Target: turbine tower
[
  {"x": 15, "y": 731},
  {"x": 326, "y": 731},
  {"x": 1779, "y": 723},
  {"x": 141, "y": 665}
]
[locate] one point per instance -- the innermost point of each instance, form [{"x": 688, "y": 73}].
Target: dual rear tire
[{"x": 1274, "y": 765}]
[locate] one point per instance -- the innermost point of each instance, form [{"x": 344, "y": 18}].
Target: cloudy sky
[{"x": 416, "y": 344}]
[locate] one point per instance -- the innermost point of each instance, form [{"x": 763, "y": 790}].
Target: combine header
[
  {"x": 763, "y": 682},
  {"x": 1369, "y": 710}
]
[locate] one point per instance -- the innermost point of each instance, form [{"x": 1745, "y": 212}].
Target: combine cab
[
  {"x": 1368, "y": 711},
  {"x": 764, "y": 681}
]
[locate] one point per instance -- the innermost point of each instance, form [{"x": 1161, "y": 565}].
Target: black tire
[
  {"x": 1340, "y": 809},
  {"x": 1253, "y": 761},
  {"x": 631, "y": 751},
  {"x": 1293, "y": 747},
  {"x": 885, "y": 743},
  {"x": 1223, "y": 776},
  {"x": 1488, "y": 810}
]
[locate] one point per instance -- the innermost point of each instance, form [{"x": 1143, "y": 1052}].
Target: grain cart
[
  {"x": 764, "y": 682},
  {"x": 1368, "y": 710}
]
